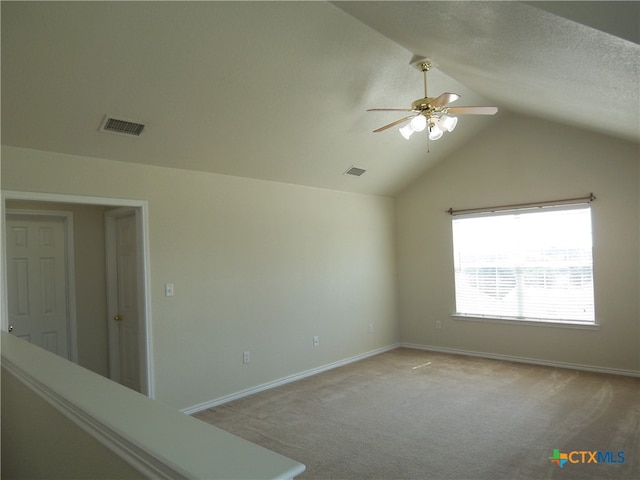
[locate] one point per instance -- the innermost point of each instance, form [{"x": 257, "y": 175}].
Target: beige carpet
[{"x": 410, "y": 414}]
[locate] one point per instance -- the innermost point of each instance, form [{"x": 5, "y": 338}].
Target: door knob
[
  {"x": 10, "y": 328},
  {"x": 118, "y": 318}
]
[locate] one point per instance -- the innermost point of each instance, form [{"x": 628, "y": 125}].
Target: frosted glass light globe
[
  {"x": 448, "y": 123},
  {"x": 435, "y": 133},
  {"x": 406, "y": 131},
  {"x": 418, "y": 123}
]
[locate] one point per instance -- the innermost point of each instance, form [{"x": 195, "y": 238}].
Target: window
[{"x": 533, "y": 264}]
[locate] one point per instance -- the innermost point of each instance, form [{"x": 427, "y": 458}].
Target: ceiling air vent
[
  {"x": 355, "y": 171},
  {"x": 121, "y": 126}
]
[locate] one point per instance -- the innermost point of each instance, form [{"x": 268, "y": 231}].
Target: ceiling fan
[{"x": 433, "y": 113}]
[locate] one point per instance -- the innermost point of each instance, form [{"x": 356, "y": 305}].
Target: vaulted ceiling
[{"x": 279, "y": 90}]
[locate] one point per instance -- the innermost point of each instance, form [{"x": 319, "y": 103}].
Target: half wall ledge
[{"x": 153, "y": 439}]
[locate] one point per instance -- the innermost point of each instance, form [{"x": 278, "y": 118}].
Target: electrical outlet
[
  {"x": 246, "y": 357},
  {"x": 316, "y": 341},
  {"x": 370, "y": 328},
  {"x": 438, "y": 324}
]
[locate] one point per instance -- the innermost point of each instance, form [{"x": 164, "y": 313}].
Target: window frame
[{"x": 528, "y": 321}]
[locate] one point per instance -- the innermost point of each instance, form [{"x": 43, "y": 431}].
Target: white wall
[
  {"x": 257, "y": 266},
  {"x": 522, "y": 160}
]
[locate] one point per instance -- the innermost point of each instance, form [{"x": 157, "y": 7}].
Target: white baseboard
[
  {"x": 534, "y": 361},
  {"x": 494, "y": 356},
  {"x": 282, "y": 381}
]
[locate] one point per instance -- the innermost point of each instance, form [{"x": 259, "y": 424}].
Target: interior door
[
  {"x": 124, "y": 346},
  {"x": 37, "y": 280}
]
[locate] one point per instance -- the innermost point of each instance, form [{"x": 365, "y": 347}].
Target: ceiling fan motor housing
[{"x": 422, "y": 104}]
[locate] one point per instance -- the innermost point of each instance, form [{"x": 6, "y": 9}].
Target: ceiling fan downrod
[{"x": 425, "y": 66}]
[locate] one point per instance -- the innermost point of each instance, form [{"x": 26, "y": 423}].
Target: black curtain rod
[{"x": 565, "y": 201}]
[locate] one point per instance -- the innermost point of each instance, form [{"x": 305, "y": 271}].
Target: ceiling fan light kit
[{"x": 431, "y": 112}]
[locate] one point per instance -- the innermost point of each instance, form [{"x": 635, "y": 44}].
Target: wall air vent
[
  {"x": 121, "y": 126},
  {"x": 355, "y": 171}
]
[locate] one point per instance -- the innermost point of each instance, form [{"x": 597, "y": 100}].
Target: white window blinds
[{"x": 533, "y": 264}]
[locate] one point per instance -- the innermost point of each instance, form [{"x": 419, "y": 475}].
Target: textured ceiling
[
  {"x": 278, "y": 90},
  {"x": 526, "y": 59}
]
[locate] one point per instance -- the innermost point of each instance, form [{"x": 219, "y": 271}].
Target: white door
[
  {"x": 37, "y": 280},
  {"x": 124, "y": 346}
]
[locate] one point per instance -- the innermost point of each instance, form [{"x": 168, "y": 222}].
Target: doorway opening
[{"x": 125, "y": 354}]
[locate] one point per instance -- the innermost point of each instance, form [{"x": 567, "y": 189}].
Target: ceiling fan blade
[
  {"x": 473, "y": 110},
  {"x": 444, "y": 99},
  {"x": 389, "y": 110},
  {"x": 393, "y": 124}
]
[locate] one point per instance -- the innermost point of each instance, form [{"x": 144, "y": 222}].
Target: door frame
[
  {"x": 70, "y": 297},
  {"x": 141, "y": 207}
]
